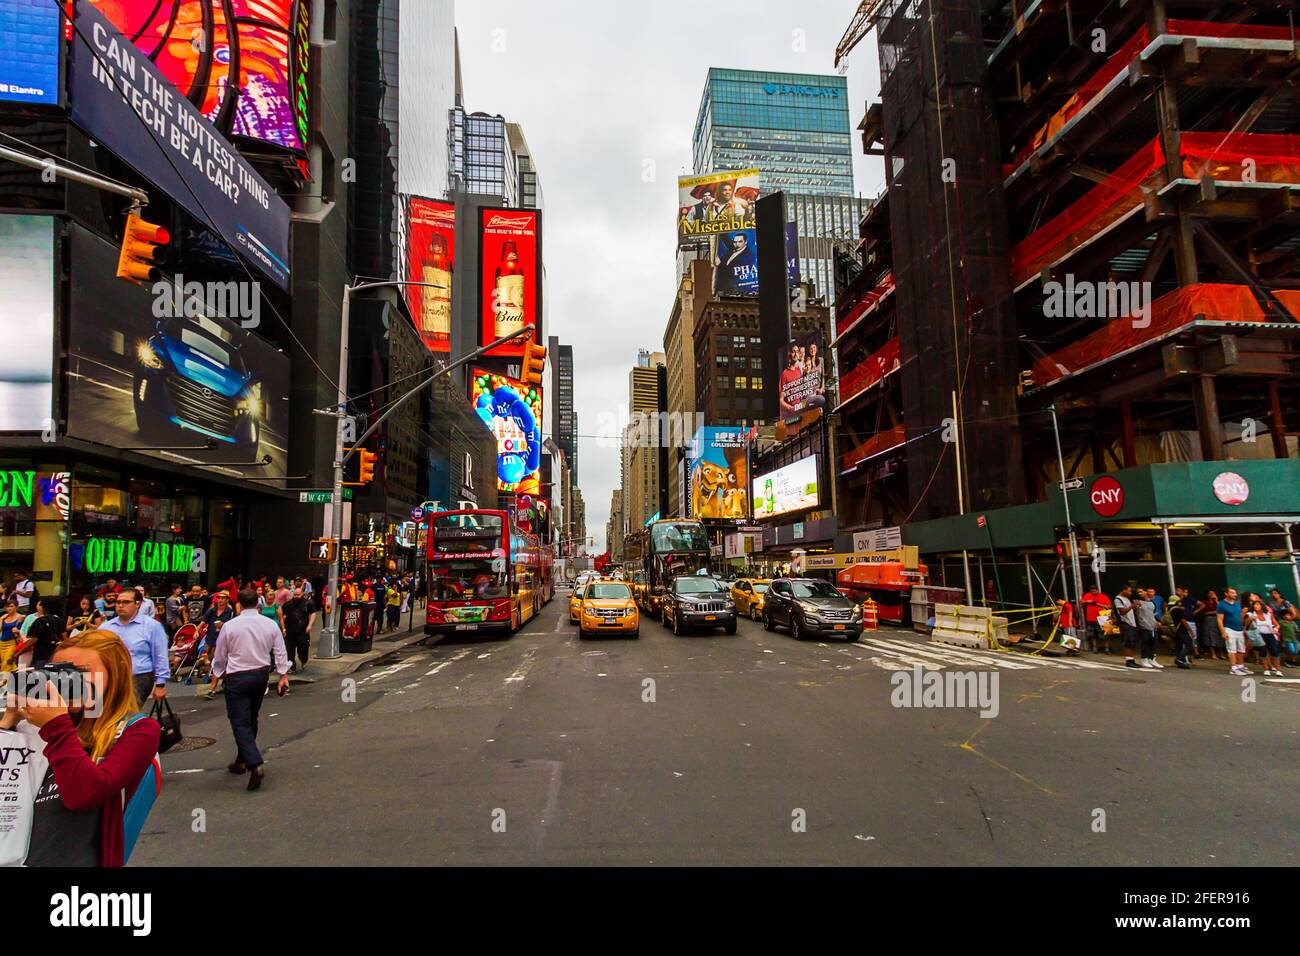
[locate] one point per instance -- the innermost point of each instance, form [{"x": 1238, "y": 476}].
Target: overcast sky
[{"x": 607, "y": 94}]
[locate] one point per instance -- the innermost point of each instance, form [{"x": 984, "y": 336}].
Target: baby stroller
[{"x": 188, "y": 653}]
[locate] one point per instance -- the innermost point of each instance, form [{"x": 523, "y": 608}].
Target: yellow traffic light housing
[
  {"x": 368, "y": 459},
  {"x": 534, "y": 364},
  {"x": 142, "y": 250}
]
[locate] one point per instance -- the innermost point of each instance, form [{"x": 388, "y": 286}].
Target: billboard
[
  {"x": 803, "y": 374},
  {"x": 735, "y": 263},
  {"x": 715, "y": 203},
  {"x": 30, "y": 39},
  {"x": 512, "y": 411},
  {"x": 510, "y": 263},
  {"x": 265, "y": 43},
  {"x": 789, "y": 489},
  {"x": 122, "y": 100},
  {"x": 26, "y": 322},
  {"x": 719, "y": 473},
  {"x": 145, "y": 376},
  {"x": 430, "y": 257}
]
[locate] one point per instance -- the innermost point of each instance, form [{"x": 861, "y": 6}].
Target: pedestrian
[
  {"x": 1069, "y": 632},
  {"x": 1124, "y": 610},
  {"x": 1285, "y": 614},
  {"x": 1228, "y": 612},
  {"x": 172, "y": 611},
  {"x": 95, "y": 762},
  {"x": 196, "y": 603},
  {"x": 1265, "y": 624},
  {"x": 88, "y": 616},
  {"x": 23, "y": 591},
  {"x": 297, "y": 617},
  {"x": 282, "y": 592},
  {"x": 47, "y": 630},
  {"x": 1145, "y": 612},
  {"x": 1208, "y": 631},
  {"x": 10, "y": 634},
  {"x": 245, "y": 651},
  {"x": 1095, "y": 604},
  {"x": 267, "y": 604},
  {"x": 1184, "y": 634},
  {"x": 393, "y": 603},
  {"x": 146, "y": 640},
  {"x": 1188, "y": 604}
]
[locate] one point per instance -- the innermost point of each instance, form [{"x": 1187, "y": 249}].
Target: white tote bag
[{"x": 22, "y": 769}]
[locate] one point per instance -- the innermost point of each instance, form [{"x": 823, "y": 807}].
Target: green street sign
[{"x": 321, "y": 497}]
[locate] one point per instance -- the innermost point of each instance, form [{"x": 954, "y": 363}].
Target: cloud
[{"x": 607, "y": 95}]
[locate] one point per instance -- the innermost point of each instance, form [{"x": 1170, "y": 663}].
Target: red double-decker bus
[{"x": 485, "y": 573}]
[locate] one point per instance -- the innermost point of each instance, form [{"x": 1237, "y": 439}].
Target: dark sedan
[
  {"x": 810, "y": 607},
  {"x": 695, "y": 602}
]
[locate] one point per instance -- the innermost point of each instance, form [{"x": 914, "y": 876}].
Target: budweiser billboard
[
  {"x": 430, "y": 259},
  {"x": 510, "y": 264}
]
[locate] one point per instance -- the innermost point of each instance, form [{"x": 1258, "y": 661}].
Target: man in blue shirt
[
  {"x": 1230, "y": 623},
  {"x": 146, "y": 640}
]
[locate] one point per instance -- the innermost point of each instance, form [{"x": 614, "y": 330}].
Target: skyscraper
[{"x": 794, "y": 128}]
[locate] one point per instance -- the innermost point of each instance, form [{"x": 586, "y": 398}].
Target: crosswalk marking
[{"x": 896, "y": 653}]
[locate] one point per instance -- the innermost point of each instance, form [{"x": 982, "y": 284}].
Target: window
[
  {"x": 721, "y": 343},
  {"x": 722, "y": 360},
  {"x": 723, "y": 381},
  {"x": 738, "y": 342},
  {"x": 742, "y": 381},
  {"x": 755, "y": 341},
  {"x": 756, "y": 383}
]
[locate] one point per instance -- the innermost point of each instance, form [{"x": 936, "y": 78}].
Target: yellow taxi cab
[
  {"x": 607, "y": 608},
  {"x": 749, "y": 594},
  {"x": 575, "y": 603}
]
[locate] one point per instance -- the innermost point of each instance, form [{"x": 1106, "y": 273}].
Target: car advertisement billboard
[
  {"x": 30, "y": 39},
  {"x": 803, "y": 374},
  {"x": 715, "y": 203},
  {"x": 719, "y": 473},
  {"x": 430, "y": 258},
  {"x": 26, "y": 322},
  {"x": 512, "y": 411},
  {"x": 122, "y": 101},
  {"x": 510, "y": 260},
  {"x": 265, "y": 43},
  {"x": 786, "y": 490},
  {"x": 184, "y": 385}
]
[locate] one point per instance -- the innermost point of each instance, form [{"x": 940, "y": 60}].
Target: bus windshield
[
  {"x": 666, "y": 536},
  {"x": 467, "y": 558}
]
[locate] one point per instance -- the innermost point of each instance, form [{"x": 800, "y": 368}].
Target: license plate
[
  {"x": 467, "y": 627},
  {"x": 710, "y": 617},
  {"x": 839, "y": 627}
]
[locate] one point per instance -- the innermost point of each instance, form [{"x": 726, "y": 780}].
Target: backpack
[{"x": 136, "y": 810}]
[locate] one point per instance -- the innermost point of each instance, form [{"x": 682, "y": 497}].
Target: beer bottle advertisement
[
  {"x": 509, "y": 265},
  {"x": 430, "y": 259}
]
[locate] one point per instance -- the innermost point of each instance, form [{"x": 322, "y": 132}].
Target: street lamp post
[{"x": 329, "y": 635}]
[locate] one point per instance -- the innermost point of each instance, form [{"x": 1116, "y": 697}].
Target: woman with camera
[{"x": 95, "y": 762}]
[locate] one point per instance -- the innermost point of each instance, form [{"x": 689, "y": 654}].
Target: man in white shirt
[
  {"x": 23, "y": 595},
  {"x": 246, "y": 647}
]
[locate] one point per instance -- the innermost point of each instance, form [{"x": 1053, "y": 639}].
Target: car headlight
[
  {"x": 146, "y": 356},
  {"x": 251, "y": 403}
]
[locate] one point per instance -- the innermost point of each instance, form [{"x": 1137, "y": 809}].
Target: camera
[{"x": 68, "y": 680}]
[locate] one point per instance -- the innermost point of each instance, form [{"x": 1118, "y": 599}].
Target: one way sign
[{"x": 322, "y": 550}]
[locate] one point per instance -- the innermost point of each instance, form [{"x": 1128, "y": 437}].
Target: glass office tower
[{"x": 794, "y": 128}]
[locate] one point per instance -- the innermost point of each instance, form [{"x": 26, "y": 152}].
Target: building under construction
[{"x": 1093, "y": 214}]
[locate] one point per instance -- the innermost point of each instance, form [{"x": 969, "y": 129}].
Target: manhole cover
[
  {"x": 192, "y": 743},
  {"x": 1125, "y": 680}
]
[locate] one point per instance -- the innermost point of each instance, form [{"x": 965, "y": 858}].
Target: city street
[{"x": 543, "y": 749}]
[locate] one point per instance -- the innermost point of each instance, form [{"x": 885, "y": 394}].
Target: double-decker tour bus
[
  {"x": 664, "y": 549},
  {"x": 485, "y": 573}
]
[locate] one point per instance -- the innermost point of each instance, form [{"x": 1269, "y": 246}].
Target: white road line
[
  {"x": 951, "y": 656},
  {"x": 524, "y": 667},
  {"x": 455, "y": 657},
  {"x": 387, "y": 672}
]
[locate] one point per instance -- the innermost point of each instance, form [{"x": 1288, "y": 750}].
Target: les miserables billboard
[
  {"x": 430, "y": 259},
  {"x": 510, "y": 288},
  {"x": 512, "y": 411}
]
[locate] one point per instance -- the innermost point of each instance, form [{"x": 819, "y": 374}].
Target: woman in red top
[{"x": 95, "y": 762}]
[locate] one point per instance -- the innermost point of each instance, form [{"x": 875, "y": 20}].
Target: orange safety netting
[
  {"x": 871, "y": 370},
  {"x": 1227, "y": 157},
  {"x": 1216, "y": 301},
  {"x": 877, "y": 443},
  {"x": 1125, "y": 55}
]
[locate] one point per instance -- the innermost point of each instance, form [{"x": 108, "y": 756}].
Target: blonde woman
[{"x": 96, "y": 762}]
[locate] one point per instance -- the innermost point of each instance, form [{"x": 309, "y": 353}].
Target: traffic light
[
  {"x": 534, "y": 364},
  {"x": 142, "y": 250},
  {"x": 367, "y": 471},
  {"x": 322, "y": 550}
]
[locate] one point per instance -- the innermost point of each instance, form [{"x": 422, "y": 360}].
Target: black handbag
[{"x": 162, "y": 712}]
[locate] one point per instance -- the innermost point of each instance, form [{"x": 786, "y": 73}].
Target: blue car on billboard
[{"x": 190, "y": 376}]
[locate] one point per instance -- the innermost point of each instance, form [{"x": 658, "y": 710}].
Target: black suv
[
  {"x": 811, "y": 608},
  {"x": 694, "y": 601}
]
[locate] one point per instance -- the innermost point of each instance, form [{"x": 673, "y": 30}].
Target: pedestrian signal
[{"x": 323, "y": 550}]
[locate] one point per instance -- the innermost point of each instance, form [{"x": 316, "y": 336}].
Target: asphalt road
[{"x": 544, "y": 749}]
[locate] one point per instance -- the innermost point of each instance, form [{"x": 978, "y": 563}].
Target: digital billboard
[
  {"x": 510, "y": 262},
  {"x": 169, "y": 383},
  {"x": 266, "y": 41},
  {"x": 163, "y": 137},
  {"x": 715, "y": 203},
  {"x": 735, "y": 263},
  {"x": 31, "y": 36},
  {"x": 788, "y": 489},
  {"x": 431, "y": 258},
  {"x": 803, "y": 374},
  {"x": 512, "y": 411},
  {"x": 26, "y": 322},
  {"x": 719, "y": 475}
]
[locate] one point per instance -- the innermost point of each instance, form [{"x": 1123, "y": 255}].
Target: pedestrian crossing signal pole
[{"x": 1069, "y": 524}]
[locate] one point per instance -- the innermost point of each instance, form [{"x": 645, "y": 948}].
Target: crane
[{"x": 862, "y": 22}]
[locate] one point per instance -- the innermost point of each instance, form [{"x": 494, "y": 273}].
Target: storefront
[{"x": 1200, "y": 525}]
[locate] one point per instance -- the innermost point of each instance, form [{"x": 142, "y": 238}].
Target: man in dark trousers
[
  {"x": 297, "y": 615},
  {"x": 246, "y": 647}
]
